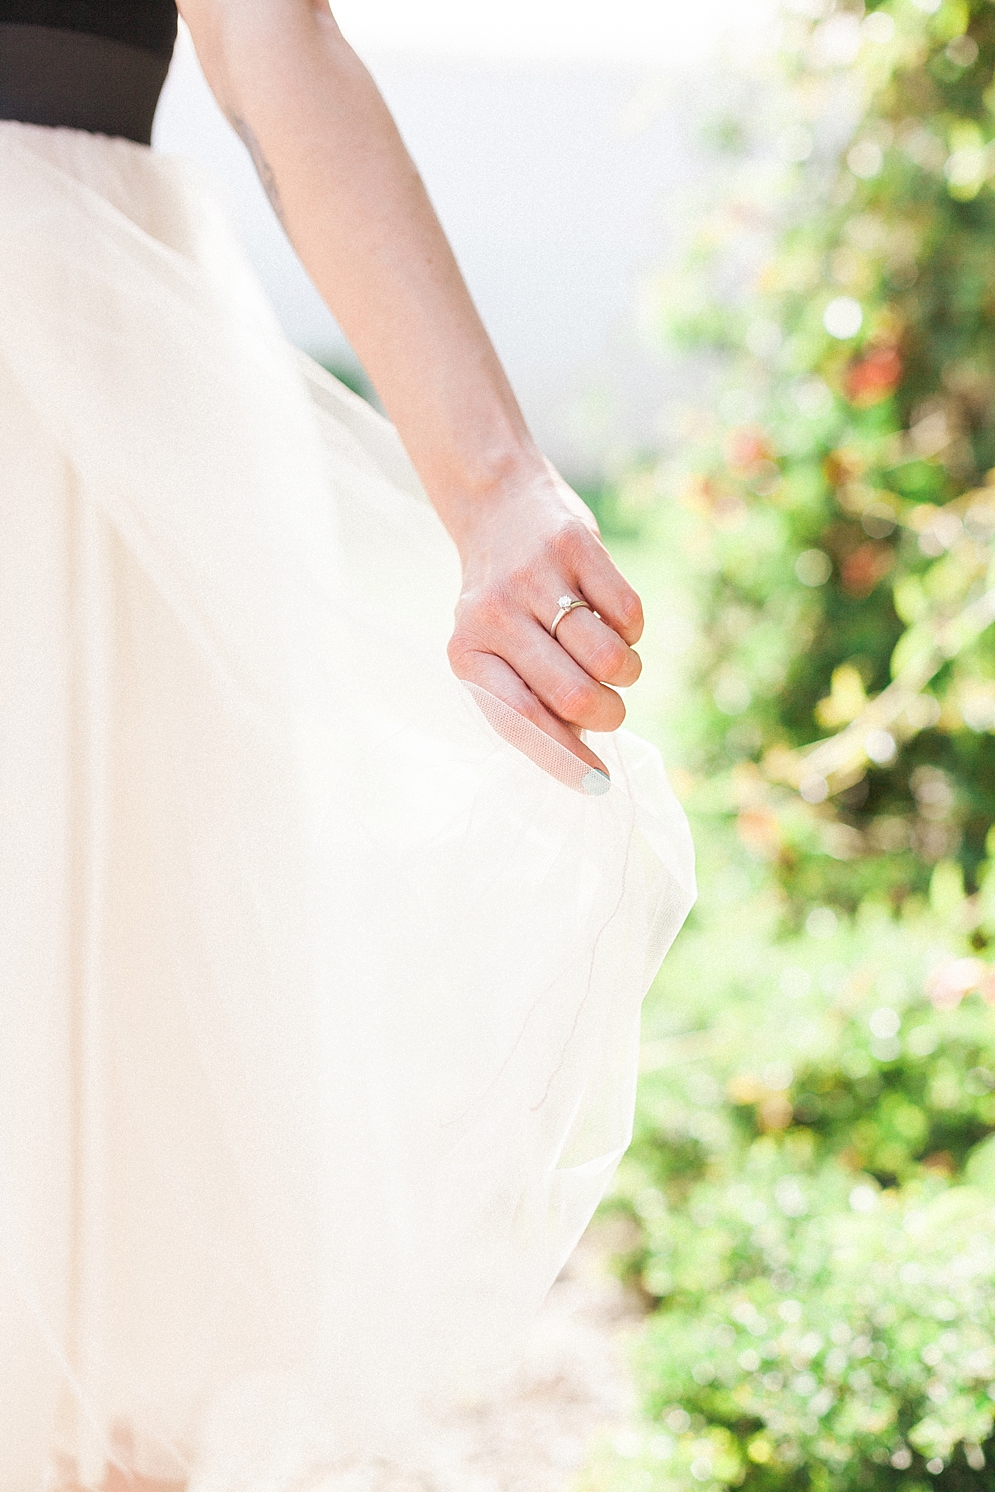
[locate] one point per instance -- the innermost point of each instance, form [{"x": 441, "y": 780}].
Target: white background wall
[{"x": 559, "y": 140}]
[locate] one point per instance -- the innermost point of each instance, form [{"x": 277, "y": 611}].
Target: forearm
[
  {"x": 330, "y": 157},
  {"x": 360, "y": 219}
]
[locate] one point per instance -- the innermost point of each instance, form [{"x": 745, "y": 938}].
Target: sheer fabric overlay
[{"x": 319, "y": 974}]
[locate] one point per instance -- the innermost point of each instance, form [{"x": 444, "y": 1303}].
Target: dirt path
[{"x": 571, "y": 1390}]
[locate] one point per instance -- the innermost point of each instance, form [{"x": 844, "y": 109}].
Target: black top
[{"x": 147, "y": 24}]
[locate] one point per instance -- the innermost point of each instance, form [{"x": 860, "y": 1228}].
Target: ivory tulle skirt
[{"x": 319, "y": 975}]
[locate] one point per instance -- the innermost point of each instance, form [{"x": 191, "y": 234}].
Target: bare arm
[{"x": 353, "y": 205}]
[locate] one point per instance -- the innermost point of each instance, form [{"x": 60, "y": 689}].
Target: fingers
[
  {"x": 559, "y": 683},
  {"x": 501, "y": 680},
  {"x": 563, "y": 686},
  {"x": 508, "y": 601},
  {"x": 598, "y": 649},
  {"x": 602, "y": 585}
]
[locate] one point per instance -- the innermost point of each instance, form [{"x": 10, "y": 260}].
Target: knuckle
[
  {"x": 631, "y": 610},
  {"x": 458, "y": 648},
  {"x": 569, "y": 542},
  {"x": 576, "y": 701},
  {"x": 614, "y": 712},
  {"x": 466, "y": 657},
  {"x": 526, "y": 704},
  {"x": 484, "y": 609},
  {"x": 609, "y": 657}
]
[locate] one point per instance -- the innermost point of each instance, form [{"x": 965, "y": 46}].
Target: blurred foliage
[
  {"x": 811, "y": 1197},
  {"x": 846, "y": 514},
  {"x": 811, "y": 1190},
  {"x": 352, "y": 375}
]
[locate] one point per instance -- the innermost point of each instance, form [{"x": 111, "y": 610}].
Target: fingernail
[{"x": 596, "y": 782}]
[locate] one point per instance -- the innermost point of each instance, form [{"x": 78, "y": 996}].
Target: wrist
[{"x": 469, "y": 502}]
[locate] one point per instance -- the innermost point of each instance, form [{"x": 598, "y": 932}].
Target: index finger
[{"x": 498, "y": 679}]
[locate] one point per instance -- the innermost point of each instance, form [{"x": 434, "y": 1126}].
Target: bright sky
[{"x": 653, "y": 33}]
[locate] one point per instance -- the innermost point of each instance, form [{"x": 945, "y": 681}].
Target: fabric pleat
[{"x": 320, "y": 973}]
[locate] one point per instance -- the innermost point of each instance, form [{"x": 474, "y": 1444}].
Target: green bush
[
  {"x": 820, "y": 1334},
  {"x": 844, "y": 512},
  {"x": 812, "y": 1181},
  {"x": 814, "y": 1188}
]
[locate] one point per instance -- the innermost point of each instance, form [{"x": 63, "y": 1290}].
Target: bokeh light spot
[{"x": 843, "y": 317}]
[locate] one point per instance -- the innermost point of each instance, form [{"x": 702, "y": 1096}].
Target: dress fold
[{"x": 320, "y": 973}]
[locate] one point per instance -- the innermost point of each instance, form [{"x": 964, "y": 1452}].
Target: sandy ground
[
  {"x": 571, "y": 1390},
  {"x": 534, "y": 1435}
]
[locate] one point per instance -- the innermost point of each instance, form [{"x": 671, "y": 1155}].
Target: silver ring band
[{"x": 566, "y": 603}]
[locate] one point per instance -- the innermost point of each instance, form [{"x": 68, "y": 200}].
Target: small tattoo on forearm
[{"x": 263, "y": 168}]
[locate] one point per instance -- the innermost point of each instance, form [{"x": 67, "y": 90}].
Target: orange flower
[
  {"x": 745, "y": 447},
  {"x": 861, "y": 570},
  {"x": 873, "y": 377},
  {"x": 759, "y": 832}
]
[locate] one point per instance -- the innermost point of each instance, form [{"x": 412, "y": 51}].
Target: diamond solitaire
[{"x": 565, "y": 603}]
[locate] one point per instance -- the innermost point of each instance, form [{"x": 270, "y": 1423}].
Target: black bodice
[
  {"x": 96, "y": 65},
  {"x": 148, "y": 24}
]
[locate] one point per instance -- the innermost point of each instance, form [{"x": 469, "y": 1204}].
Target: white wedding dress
[{"x": 319, "y": 974}]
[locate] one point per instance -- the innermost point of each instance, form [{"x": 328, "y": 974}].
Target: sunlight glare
[{"x": 666, "y": 33}]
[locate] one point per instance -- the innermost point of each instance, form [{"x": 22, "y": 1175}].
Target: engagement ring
[{"x": 565, "y": 603}]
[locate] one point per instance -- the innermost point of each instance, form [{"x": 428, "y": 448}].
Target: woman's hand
[
  {"x": 522, "y": 551},
  {"x": 352, "y": 203}
]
